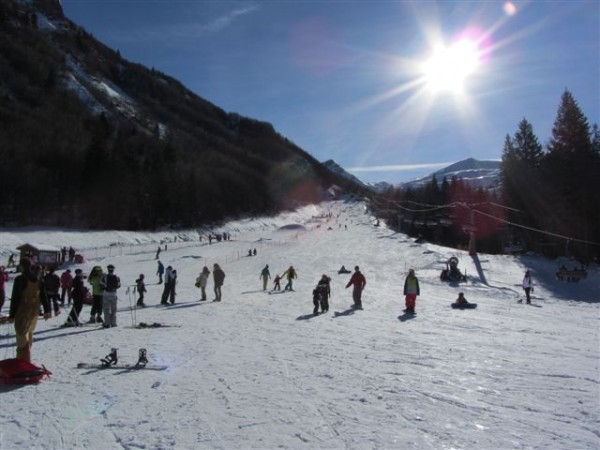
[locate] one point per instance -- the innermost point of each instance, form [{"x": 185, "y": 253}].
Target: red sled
[{"x": 19, "y": 371}]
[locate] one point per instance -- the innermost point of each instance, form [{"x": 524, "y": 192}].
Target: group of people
[
  {"x": 289, "y": 274},
  {"x": 218, "y": 279}
]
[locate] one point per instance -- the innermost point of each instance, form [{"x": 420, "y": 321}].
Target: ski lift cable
[{"x": 548, "y": 233}]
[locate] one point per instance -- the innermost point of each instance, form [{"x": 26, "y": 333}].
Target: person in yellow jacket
[{"x": 28, "y": 294}]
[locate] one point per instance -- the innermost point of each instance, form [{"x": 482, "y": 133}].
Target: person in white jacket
[{"x": 527, "y": 286}]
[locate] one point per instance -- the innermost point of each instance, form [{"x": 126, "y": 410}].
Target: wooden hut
[{"x": 43, "y": 254}]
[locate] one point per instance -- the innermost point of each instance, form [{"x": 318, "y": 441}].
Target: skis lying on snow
[
  {"x": 110, "y": 361},
  {"x": 143, "y": 325}
]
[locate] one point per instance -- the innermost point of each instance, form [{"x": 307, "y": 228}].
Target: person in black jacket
[
  {"x": 78, "y": 294},
  {"x": 28, "y": 294}
]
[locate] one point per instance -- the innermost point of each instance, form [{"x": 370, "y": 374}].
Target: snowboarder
[
  {"x": 202, "y": 281},
  {"x": 527, "y": 286},
  {"x": 321, "y": 295},
  {"x": 461, "y": 300},
  {"x": 411, "y": 291},
  {"x": 27, "y": 294},
  {"x": 359, "y": 281},
  {"x": 290, "y": 275},
  {"x": 78, "y": 294},
  {"x": 141, "y": 289},
  {"x": 95, "y": 279},
  {"x": 265, "y": 275},
  {"x": 277, "y": 283},
  {"x": 110, "y": 283},
  {"x": 160, "y": 271},
  {"x": 218, "y": 278}
]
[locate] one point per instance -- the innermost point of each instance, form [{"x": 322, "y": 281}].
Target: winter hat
[
  {"x": 77, "y": 271},
  {"x": 110, "y": 267}
]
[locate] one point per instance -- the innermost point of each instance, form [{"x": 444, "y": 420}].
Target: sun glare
[{"x": 448, "y": 68}]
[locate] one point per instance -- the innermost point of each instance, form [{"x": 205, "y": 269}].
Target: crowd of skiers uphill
[{"x": 39, "y": 293}]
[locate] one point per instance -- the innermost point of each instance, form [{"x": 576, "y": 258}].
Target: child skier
[
  {"x": 141, "y": 288},
  {"x": 321, "y": 295}
]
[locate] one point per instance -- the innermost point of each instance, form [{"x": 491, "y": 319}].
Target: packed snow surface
[{"x": 259, "y": 371}]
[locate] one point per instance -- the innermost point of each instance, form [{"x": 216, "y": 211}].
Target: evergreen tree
[{"x": 572, "y": 167}]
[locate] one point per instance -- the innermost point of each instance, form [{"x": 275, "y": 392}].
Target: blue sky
[{"x": 344, "y": 80}]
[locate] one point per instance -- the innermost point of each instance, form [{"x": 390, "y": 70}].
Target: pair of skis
[{"x": 111, "y": 361}]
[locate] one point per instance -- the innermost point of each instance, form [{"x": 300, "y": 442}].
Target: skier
[
  {"x": 77, "y": 293},
  {"x": 411, "y": 291},
  {"x": 321, "y": 295},
  {"x": 202, "y": 281},
  {"x": 290, "y": 275},
  {"x": 158, "y": 250},
  {"x": 527, "y": 286},
  {"x": 359, "y": 281},
  {"x": 27, "y": 294},
  {"x": 95, "y": 279},
  {"x": 218, "y": 278},
  {"x": 110, "y": 283},
  {"x": 160, "y": 271},
  {"x": 141, "y": 288},
  {"x": 265, "y": 275}
]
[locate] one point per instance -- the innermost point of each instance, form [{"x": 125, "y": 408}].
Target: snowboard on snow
[
  {"x": 463, "y": 306},
  {"x": 111, "y": 360},
  {"x": 101, "y": 366}
]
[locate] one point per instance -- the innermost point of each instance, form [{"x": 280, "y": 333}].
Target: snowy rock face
[{"x": 50, "y": 8}]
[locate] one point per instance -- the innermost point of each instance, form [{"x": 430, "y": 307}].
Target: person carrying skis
[
  {"x": 95, "y": 279},
  {"x": 219, "y": 279},
  {"x": 290, "y": 275},
  {"x": 110, "y": 283},
  {"x": 202, "y": 282},
  {"x": 28, "y": 294},
  {"x": 411, "y": 291},
  {"x": 321, "y": 295},
  {"x": 265, "y": 275},
  {"x": 527, "y": 286},
  {"x": 141, "y": 289},
  {"x": 359, "y": 281}
]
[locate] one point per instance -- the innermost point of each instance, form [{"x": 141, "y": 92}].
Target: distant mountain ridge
[{"x": 476, "y": 173}]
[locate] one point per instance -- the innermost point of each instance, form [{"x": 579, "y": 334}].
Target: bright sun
[{"x": 449, "y": 67}]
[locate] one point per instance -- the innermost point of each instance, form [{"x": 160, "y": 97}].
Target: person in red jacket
[
  {"x": 359, "y": 281},
  {"x": 66, "y": 282}
]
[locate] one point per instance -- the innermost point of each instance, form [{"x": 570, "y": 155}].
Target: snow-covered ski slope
[{"x": 258, "y": 371}]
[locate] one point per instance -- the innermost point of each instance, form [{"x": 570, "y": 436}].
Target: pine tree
[{"x": 572, "y": 167}]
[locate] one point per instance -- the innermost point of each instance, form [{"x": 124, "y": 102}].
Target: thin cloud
[
  {"x": 189, "y": 31},
  {"x": 398, "y": 167}
]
